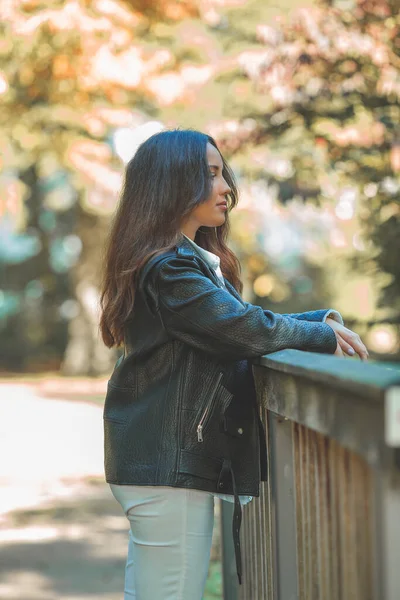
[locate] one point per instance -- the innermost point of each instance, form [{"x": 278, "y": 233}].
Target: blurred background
[{"x": 303, "y": 100}]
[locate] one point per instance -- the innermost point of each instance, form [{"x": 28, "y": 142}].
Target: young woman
[{"x": 181, "y": 421}]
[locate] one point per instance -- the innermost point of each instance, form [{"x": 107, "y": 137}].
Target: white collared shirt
[{"x": 212, "y": 259}]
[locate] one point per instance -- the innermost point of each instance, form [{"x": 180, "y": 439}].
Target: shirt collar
[{"x": 212, "y": 259}]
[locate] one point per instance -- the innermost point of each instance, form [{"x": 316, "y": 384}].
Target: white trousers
[{"x": 169, "y": 541}]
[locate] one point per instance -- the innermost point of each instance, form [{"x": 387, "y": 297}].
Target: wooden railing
[{"x": 327, "y": 523}]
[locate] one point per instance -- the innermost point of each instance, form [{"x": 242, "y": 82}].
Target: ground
[{"x": 62, "y": 534}]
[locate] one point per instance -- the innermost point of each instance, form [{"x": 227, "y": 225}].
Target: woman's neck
[{"x": 189, "y": 230}]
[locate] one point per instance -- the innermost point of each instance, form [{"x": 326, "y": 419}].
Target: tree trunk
[{"x": 86, "y": 353}]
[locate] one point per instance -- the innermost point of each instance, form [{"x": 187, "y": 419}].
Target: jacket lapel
[{"x": 184, "y": 248}]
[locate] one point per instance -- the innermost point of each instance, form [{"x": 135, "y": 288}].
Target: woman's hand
[{"x": 348, "y": 342}]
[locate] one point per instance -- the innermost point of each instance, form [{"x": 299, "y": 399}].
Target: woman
[{"x": 180, "y": 419}]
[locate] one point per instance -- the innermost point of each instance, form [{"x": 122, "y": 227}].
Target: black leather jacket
[{"x": 181, "y": 407}]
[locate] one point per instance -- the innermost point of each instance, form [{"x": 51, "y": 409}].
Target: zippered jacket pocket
[{"x": 217, "y": 392}]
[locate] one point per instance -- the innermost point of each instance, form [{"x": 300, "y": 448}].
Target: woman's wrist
[{"x": 334, "y": 315}]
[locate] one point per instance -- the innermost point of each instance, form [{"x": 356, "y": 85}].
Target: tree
[
  {"x": 70, "y": 74},
  {"x": 320, "y": 92},
  {"x": 308, "y": 105}
]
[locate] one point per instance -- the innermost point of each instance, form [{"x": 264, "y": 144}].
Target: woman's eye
[{"x": 212, "y": 175}]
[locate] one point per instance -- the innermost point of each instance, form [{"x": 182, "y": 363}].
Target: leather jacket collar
[{"x": 185, "y": 249}]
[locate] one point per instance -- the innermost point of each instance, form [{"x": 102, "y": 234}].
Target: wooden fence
[{"x": 327, "y": 523}]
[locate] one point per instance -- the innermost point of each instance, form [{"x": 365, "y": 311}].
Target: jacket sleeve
[
  {"x": 317, "y": 315},
  {"x": 207, "y": 317},
  {"x": 313, "y": 315}
]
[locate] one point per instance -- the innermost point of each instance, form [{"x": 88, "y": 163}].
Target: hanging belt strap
[{"x": 237, "y": 515}]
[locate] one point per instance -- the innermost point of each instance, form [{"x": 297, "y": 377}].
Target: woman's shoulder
[{"x": 168, "y": 261}]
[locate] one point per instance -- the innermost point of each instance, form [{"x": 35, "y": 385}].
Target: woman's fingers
[
  {"x": 351, "y": 343},
  {"x": 338, "y": 351}
]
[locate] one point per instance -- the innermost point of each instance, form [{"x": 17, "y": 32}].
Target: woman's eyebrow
[{"x": 214, "y": 167}]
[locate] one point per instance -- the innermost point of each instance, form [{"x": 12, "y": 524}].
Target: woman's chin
[
  {"x": 221, "y": 219},
  {"x": 215, "y": 222}
]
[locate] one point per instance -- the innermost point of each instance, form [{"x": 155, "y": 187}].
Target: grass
[{"x": 213, "y": 589}]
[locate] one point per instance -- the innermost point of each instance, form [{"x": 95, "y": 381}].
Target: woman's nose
[{"x": 226, "y": 189}]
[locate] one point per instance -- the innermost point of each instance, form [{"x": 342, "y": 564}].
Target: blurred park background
[{"x": 303, "y": 100}]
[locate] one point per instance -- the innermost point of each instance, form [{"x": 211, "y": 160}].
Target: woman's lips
[{"x": 223, "y": 206}]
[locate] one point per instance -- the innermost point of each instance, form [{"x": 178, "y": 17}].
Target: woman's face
[{"x": 210, "y": 213}]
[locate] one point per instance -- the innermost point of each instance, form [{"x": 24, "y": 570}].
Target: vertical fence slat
[
  {"x": 313, "y": 540},
  {"x": 270, "y": 572},
  {"x": 297, "y": 443},
  {"x": 323, "y": 574}
]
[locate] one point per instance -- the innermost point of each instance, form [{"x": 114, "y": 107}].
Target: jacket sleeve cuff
[{"x": 333, "y": 314}]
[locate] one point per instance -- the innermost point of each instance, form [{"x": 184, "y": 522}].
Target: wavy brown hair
[{"x": 164, "y": 181}]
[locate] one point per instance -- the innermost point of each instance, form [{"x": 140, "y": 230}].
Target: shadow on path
[{"x": 71, "y": 549}]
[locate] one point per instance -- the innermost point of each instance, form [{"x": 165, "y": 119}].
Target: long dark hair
[{"x": 164, "y": 181}]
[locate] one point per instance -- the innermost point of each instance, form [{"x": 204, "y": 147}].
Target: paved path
[{"x": 62, "y": 535}]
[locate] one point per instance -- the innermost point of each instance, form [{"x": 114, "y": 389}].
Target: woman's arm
[
  {"x": 195, "y": 311},
  {"x": 314, "y": 315}
]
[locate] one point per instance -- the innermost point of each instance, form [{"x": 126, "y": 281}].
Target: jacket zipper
[{"x": 207, "y": 411}]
